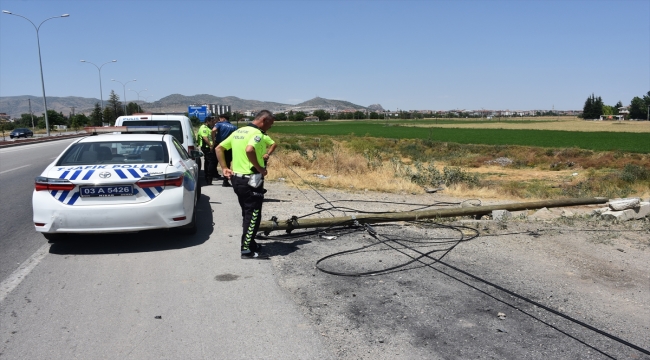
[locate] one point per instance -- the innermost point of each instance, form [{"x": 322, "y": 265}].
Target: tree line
[
  {"x": 595, "y": 107},
  {"x": 98, "y": 117}
]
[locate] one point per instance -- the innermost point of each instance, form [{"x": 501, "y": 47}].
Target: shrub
[{"x": 632, "y": 173}]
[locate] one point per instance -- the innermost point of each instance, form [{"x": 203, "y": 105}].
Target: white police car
[{"x": 117, "y": 183}]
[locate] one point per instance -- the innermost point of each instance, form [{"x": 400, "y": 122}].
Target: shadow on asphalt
[
  {"x": 282, "y": 248},
  {"x": 274, "y": 200},
  {"x": 143, "y": 241}
]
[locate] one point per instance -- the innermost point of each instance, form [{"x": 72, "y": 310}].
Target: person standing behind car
[
  {"x": 205, "y": 142},
  {"x": 251, "y": 148},
  {"x": 221, "y": 130}
]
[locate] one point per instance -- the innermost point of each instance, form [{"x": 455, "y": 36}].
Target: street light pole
[
  {"x": 124, "y": 90},
  {"x": 138, "y": 92},
  {"x": 99, "y": 68},
  {"x": 40, "y": 62}
]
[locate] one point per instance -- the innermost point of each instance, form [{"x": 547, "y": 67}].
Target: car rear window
[
  {"x": 175, "y": 125},
  {"x": 115, "y": 152}
]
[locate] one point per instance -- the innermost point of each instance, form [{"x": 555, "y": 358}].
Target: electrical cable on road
[{"x": 425, "y": 258}]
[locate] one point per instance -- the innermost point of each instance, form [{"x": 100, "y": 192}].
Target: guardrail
[{"x": 35, "y": 140}]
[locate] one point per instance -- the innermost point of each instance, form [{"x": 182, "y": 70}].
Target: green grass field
[{"x": 597, "y": 141}]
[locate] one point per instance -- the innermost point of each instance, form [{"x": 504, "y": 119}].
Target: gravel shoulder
[{"x": 480, "y": 300}]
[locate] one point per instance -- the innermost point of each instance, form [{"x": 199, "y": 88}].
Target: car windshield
[
  {"x": 175, "y": 126},
  {"x": 115, "y": 152}
]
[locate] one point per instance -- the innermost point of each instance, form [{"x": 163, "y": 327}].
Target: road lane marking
[
  {"x": 20, "y": 167},
  {"x": 11, "y": 282}
]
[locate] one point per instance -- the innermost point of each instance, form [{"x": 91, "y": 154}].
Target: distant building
[
  {"x": 311, "y": 118},
  {"x": 218, "y": 109},
  {"x": 215, "y": 109}
]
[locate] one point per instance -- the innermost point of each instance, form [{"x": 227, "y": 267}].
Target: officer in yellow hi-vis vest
[
  {"x": 251, "y": 148},
  {"x": 204, "y": 140}
]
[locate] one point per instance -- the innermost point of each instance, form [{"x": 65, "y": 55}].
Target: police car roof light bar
[{"x": 94, "y": 130}]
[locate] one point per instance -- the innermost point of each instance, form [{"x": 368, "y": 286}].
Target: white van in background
[{"x": 181, "y": 128}]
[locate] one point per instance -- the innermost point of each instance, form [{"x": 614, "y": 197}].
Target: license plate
[{"x": 105, "y": 191}]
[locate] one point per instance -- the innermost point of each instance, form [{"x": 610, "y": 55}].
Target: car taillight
[
  {"x": 43, "y": 183},
  {"x": 174, "y": 179},
  {"x": 189, "y": 150}
]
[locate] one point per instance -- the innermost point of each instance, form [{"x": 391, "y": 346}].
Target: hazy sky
[{"x": 436, "y": 54}]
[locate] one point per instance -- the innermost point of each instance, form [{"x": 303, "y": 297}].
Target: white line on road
[
  {"x": 10, "y": 283},
  {"x": 20, "y": 167}
]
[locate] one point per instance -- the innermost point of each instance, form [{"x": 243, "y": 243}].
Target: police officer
[
  {"x": 251, "y": 148},
  {"x": 205, "y": 142},
  {"x": 221, "y": 130}
]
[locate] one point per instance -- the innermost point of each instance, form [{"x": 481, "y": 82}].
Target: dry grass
[
  {"x": 340, "y": 168},
  {"x": 564, "y": 124},
  {"x": 398, "y": 167}
]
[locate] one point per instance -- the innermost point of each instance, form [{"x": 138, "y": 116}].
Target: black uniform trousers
[
  {"x": 210, "y": 170},
  {"x": 250, "y": 200}
]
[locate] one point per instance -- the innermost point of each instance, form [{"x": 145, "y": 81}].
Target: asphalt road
[
  {"x": 147, "y": 295},
  {"x": 19, "y": 166}
]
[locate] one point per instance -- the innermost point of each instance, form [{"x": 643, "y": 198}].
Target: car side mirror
[{"x": 196, "y": 153}]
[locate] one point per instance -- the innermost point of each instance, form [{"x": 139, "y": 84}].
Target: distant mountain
[
  {"x": 375, "y": 107},
  {"x": 236, "y": 104},
  {"x": 14, "y": 106},
  {"x": 325, "y": 104}
]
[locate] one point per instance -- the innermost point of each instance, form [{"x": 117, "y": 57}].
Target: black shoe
[
  {"x": 226, "y": 184},
  {"x": 255, "y": 255},
  {"x": 219, "y": 177},
  {"x": 208, "y": 180}
]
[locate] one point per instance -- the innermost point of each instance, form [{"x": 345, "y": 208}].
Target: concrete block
[
  {"x": 623, "y": 215},
  {"x": 623, "y": 204},
  {"x": 636, "y": 213},
  {"x": 642, "y": 210},
  {"x": 501, "y": 215}
]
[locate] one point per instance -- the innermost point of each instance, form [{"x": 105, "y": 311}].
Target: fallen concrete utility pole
[{"x": 294, "y": 223}]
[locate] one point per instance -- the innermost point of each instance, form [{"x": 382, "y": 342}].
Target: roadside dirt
[{"x": 480, "y": 300}]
